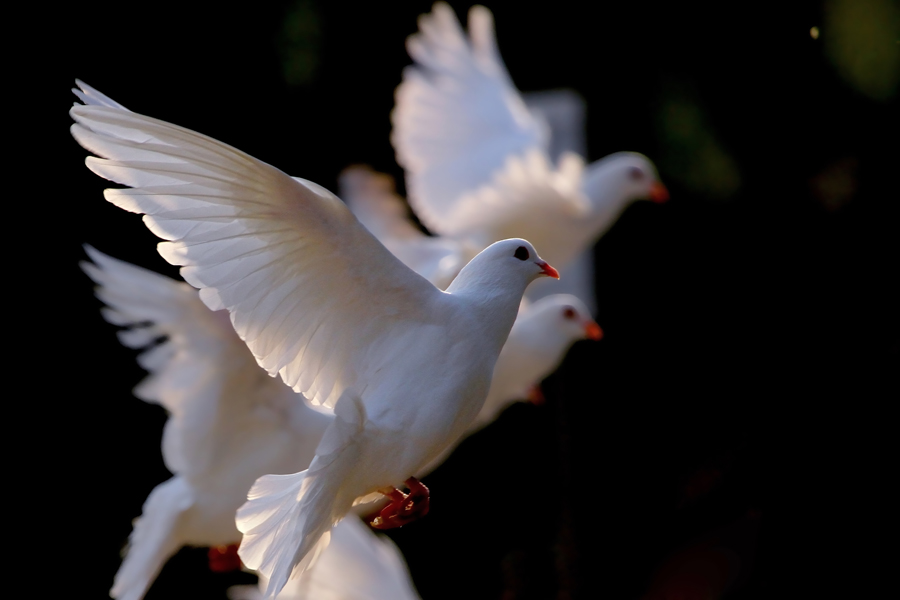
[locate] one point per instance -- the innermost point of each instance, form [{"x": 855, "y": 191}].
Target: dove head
[
  {"x": 558, "y": 321},
  {"x": 629, "y": 175},
  {"x": 503, "y": 268}
]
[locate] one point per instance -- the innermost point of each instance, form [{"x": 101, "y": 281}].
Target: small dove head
[
  {"x": 640, "y": 178},
  {"x": 563, "y": 320}
]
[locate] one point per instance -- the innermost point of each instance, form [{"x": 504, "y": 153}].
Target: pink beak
[
  {"x": 546, "y": 269},
  {"x": 658, "y": 192},
  {"x": 593, "y": 332}
]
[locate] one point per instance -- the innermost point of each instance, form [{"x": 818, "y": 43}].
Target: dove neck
[
  {"x": 495, "y": 301},
  {"x": 606, "y": 190},
  {"x": 608, "y": 185}
]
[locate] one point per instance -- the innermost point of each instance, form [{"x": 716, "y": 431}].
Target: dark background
[{"x": 751, "y": 352}]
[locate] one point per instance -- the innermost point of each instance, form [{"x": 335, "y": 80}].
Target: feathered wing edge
[
  {"x": 260, "y": 244},
  {"x": 148, "y": 306}
]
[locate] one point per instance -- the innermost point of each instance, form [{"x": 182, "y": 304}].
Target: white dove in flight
[
  {"x": 320, "y": 302},
  {"x": 476, "y": 159},
  {"x": 229, "y": 424}
]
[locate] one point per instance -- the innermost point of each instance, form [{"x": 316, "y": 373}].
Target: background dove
[
  {"x": 229, "y": 423},
  {"x": 321, "y": 303},
  {"x": 476, "y": 159},
  {"x": 542, "y": 334}
]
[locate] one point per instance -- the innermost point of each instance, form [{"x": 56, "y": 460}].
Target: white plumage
[
  {"x": 245, "y": 425},
  {"x": 373, "y": 199},
  {"x": 358, "y": 564},
  {"x": 321, "y": 303},
  {"x": 228, "y": 422},
  {"x": 476, "y": 159},
  {"x": 543, "y": 330},
  {"x": 542, "y": 334}
]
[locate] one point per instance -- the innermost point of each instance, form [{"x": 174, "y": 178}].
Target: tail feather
[
  {"x": 153, "y": 540},
  {"x": 284, "y": 526},
  {"x": 287, "y": 519}
]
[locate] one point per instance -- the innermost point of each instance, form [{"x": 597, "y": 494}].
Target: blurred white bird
[
  {"x": 229, "y": 423},
  {"x": 322, "y": 303},
  {"x": 536, "y": 346},
  {"x": 542, "y": 334},
  {"x": 476, "y": 159}
]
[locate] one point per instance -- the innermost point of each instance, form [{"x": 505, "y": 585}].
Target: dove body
[{"x": 321, "y": 303}]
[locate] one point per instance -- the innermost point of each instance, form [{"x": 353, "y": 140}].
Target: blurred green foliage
[
  {"x": 862, "y": 40},
  {"x": 691, "y": 154},
  {"x": 299, "y": 42}
]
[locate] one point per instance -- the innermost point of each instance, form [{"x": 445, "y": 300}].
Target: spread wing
[
  {"x": 308, "y": 288},
  {"x": 200, "y": 372},
  {"x": 457, "y": 116}
]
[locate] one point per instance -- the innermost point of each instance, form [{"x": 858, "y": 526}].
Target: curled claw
[{"x": 403, "y": 508}]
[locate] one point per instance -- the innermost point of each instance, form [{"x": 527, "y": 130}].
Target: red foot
[
  {"x": 536, "y": 395},
  {"x": 223, "y": 559},
  {"x": 404, "y": 508}
]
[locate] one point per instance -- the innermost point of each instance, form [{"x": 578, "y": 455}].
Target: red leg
[
  {"x": 404, "y": 508},
  {"x": 536, "y": 395},
  {"x": 224, "y": 558}
]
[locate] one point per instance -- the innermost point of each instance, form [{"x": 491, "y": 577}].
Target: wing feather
[
  {"x": 457, "y": 115},
  {"x": 308, "y": 287}
]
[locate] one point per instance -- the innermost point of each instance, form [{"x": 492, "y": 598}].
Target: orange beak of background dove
[
  {"x": 658, "y": 192},
  {"x": 592, "y": 331},
  {"x": 546, "y": 269}
]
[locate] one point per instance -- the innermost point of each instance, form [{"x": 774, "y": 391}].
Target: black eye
[
  {"x": 569, "y": 312},
  {"x": 635, "y": 173},
  {"x": 521, "y": 253}
]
